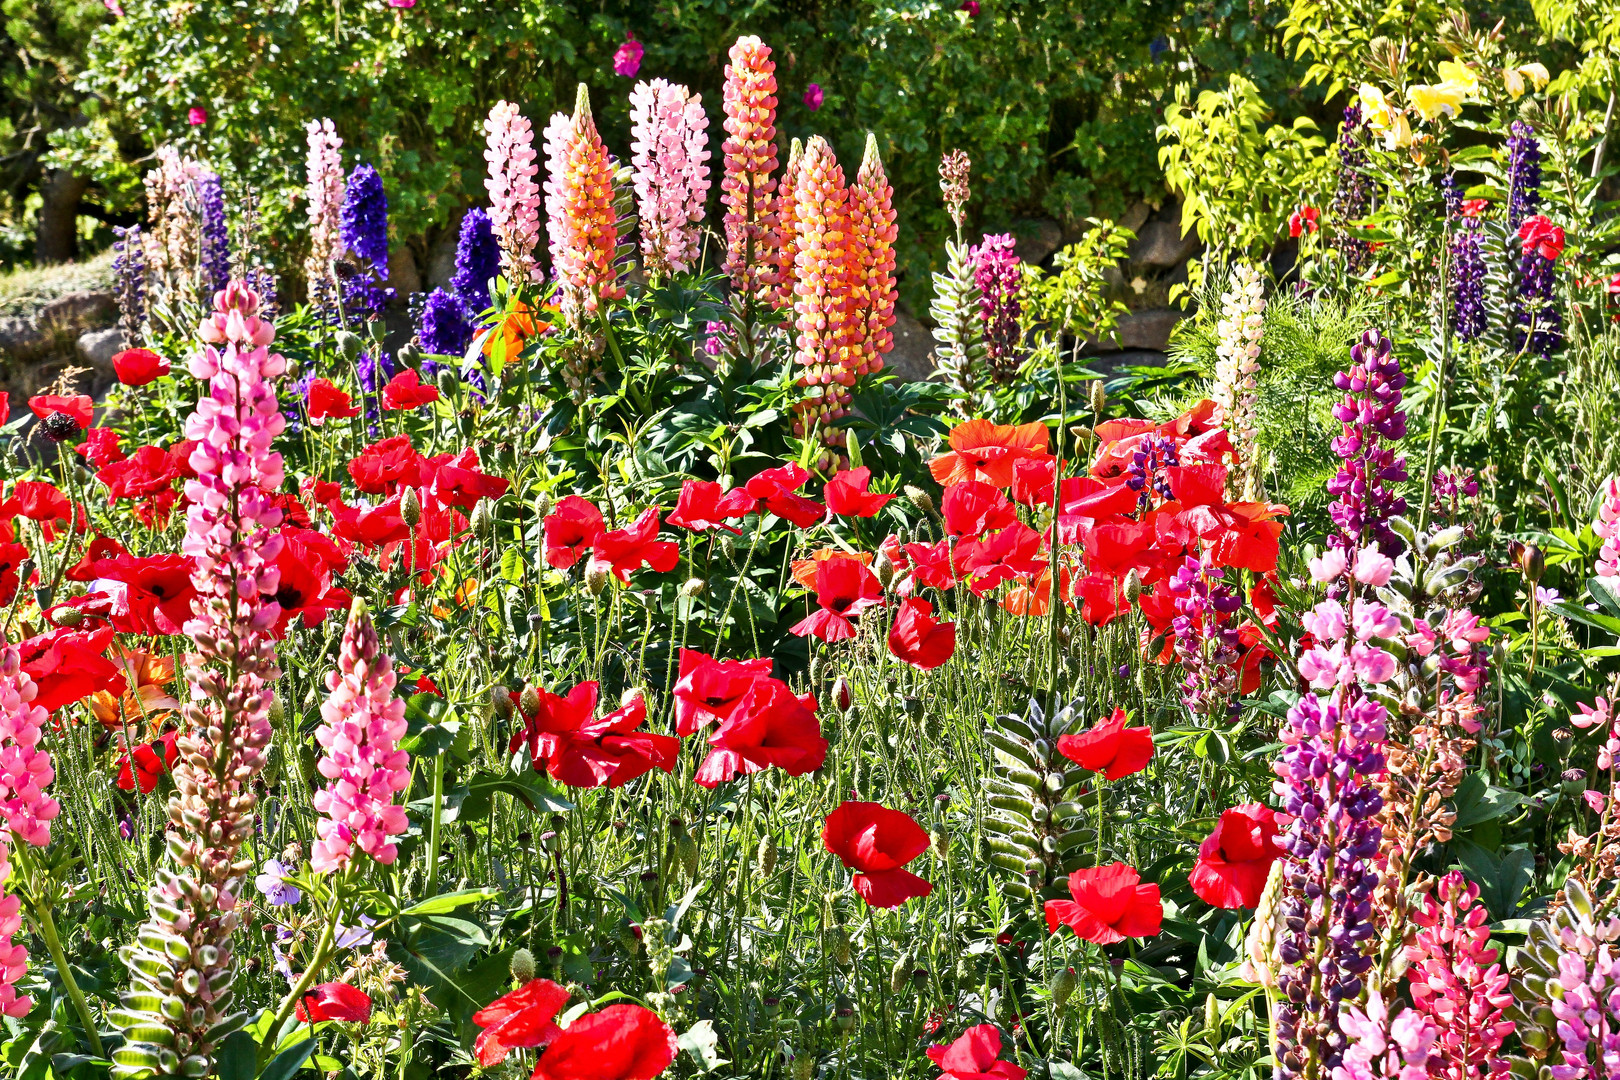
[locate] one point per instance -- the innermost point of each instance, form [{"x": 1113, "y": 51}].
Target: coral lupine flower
[
  {"x": 845, "y": 587},
  {"x": 361, "y": 725},
  {"x": 230, "y": 533},
  {"x": 747, "y": 190},
  {"x": 823, "y": 266},
  {"x": 514, "y": 197},
  {"x": 787, "y": 250},
  {"x": 670, "y": 152},
  {"x": 1235, "y": 860},
  {"x": 871, "y": 271},
  {"x": 975, "y": 1055},
  {"x": 520, "y": 1020},
  {"x": 876, "y": 843},
  {"x": 1110, "y": 747},
  {"x": 622, "y": 1042},
  {"x": 1109, "y": 905},
  {"x": 989, "y": 452},
  {"x": 1607, "y": 527},
  {"x": 579, "y": 211},
  {"x": 25, "y": 766}
]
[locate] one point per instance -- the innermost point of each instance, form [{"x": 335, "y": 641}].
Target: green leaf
[
  {"x": 238, "y": 1057},
  {"x": 1477, "y": 801},
  {"x": 448, "y": 902},
  {"x": 1595, "y": 619},
  {"x": 702, "y": 1042},
  {"x": 533, "y": 789},
  {"x": 285, "y": 1064},
  {"x": 1501, "y": 878}
]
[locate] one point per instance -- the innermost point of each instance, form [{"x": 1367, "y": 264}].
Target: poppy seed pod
[
  {"x": 410, "y": 508},
  {"x": 59, "y": 426}
]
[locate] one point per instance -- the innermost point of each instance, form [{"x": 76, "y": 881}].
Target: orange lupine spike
[
  {"x": 579, "y": 208},
  {"x": 747, "y": 189},
  {"x": 873, "y": 232}
]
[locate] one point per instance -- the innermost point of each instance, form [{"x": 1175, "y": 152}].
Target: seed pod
[
  {"x": 1063, "y": 984},
  {"x": 522, "y": 966},
  {"x": 844, "y": 1015},
  {"x": 410, "y": 508}
]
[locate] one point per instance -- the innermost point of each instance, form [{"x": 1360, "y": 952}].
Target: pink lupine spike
[
  {"x": 670, "y": 153},
  {"x": 748, "y": 188},
  {"x": 362, "y": 723},
  {"x": 579, "y": 211},
  {"x": 1456, "y": 982},
  {"x": 324, "y": 189},
  {"x": 514, "y": 197},
  {"x": 13, "y": 957},
  {"x": 25, "y": 766},
  {"x": 824, "y": 317},
  {"x": 1607, "y": 527}
]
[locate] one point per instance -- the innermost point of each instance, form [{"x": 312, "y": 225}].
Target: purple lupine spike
[
  {"x": 363, "y": 228},
  {"x": 1371, "y": 417},
  {"x": 1352, "y": 195},
  {"x": 129, "y": 272},
  {"x": 1467, "y": 261},
  {"x": 216, "y": 243},
  {"x": 1206, "y": 641},
  {"x": 1524, "y": 175},
  {"x": 998, "y": 273}
]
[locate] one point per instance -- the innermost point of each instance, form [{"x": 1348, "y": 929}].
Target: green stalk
[
  {"x": 323, "y": 953},
  {"x": 53, "y": 942},
  {"x": 433, "y": 827}
]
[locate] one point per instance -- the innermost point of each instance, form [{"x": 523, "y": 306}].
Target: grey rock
[
  {"x": 96, "y": 347},
  {"x": 1135, "y": 217},
  {"x": 1149, "y": 330},
  {"x": 442, "y": 257},
  {"x": 79, "y": 309},
  {"x": 912, "y": 357},
  {"x": 1037, "y": 240},
  {"x": 20, "y": 339},
  {"x": 403, "y": 277},
  {"x": 1159, "y": 245}
]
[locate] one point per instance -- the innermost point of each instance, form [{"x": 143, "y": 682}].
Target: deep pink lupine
[
  {"x": 747, "y": 190},
  {"x": 183, "y": 954},
  {"x": 1607, "y": 527},
  {"x": 514, "y": 197},
  {"x": 1456, "y": 981},
  {"x": 670, "y": 152},
  {"x": 13, "y": 957},
  {"x": 361, "y": 725},
  {"x": 579, "y": 211},
  {"x": 25, "y": 765}
]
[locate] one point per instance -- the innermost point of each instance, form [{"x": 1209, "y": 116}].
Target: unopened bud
[
  {"x": 500, "y": 702},
  {"x": 529, "y": 701},
  {"x": 940, "y": 841},
  {"x": 349, "y": 344},
  {"x": 542, "y": 504},
  {"x": 448, "y": 380},
  {"x": 900, "y": 974},
  {"x": 921, "y": 498},
  {"x": 1063, "y": 984},
  {"x": 765, "y": 857},
  {"x": 843, "y": 696},
  {"x": 1533, "y": 561},
  {"x": 596, "y": 577},
  {"x": 804, "y": 1067},
  {"x": 522, "y": 966},
  {"x": 409, "y": 354},
  {"x": 852, "y": 446},
  {"x": 410, "y": 508},
  {"x": 1133, "y": 585},
  {"x": 1212, "y": 1014},
  {"x": 483, "y": 516},
  {"x": 71, "y": 616},
  {"x": 278, "y": 711},
  {"x": 884, "y": 569},
  {"x": 629, "y": 694},
  {"x": 1099, "y": 396},
  {"x": 692, "y": 587}
]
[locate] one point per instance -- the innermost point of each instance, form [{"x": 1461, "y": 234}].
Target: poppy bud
[
  {"x": 842, "y": 695},
  {"x": 529, "y": 701},
  {"x": 278, "y": 711},
  {"x": 940, "y": 841},
  {"x": 542, "y": 504},
  {"x": 522, "y": 966},
  {"x": 852, "y": 446},
  {"x": 409, "y": 354},
  {"x": 965, "y": 972},
  {"x": 804, "y": 1067},
  {"x": 1133, "y": 585},
  {"x": 1533, "y": 562},
  {"x": 500, "y": 702},
  {"x": 67, "y": 617},
  {"x": 1099, "y": 396},
  {"x": 765, "y": 858},
  {"x": 728, "y": 547},
  {"x": 410, "y": 508},
  {"x": 596, "y": 577},
  {"x": 483, "y": 516},
  {"x": 900, "y": 974},
  {"x": 349, "y": 344},
  {"x": 692, "y": 587},
  {"x": 884, "y": 569},
  {"x": 1062, "y": 987},
  {"x": 448, "y": 380},
  {"x": 921, "y": 498},
  {"x": 840, "y": 948}
]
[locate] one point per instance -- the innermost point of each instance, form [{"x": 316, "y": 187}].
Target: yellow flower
[
  {"x": 1536, "y": 73},
  {"x": 1513, "y": 83},
  {"x": 1374, "y": 108},
  {"x": 1398, "y": 134},
  {"x": 1459, "y": 75},
  {"x": 1432, "y": 102}
]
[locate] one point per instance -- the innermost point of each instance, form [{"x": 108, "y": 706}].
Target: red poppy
[
  {"x": 846, "y": 494},
  {"x": 622, "y": 1042},
  {"x": 918, "y": 638},
  {"x": 1543, "y": 236},
  {"x": 407, "y": 391},
  {"x": 158, "y": 591},
  {"x": 100, "y": 447},
  {"x": 334, "y": 1001},
  {"x": 5, "y": 406},
  {"x": 565, "y": 738},
  {"x": 520, "y": 1020},
  {"x": 936, "y": 565},
  {"x": 774, "y": 491},
  {"x": 461, "y": 481},
  {"x": 372, "y": 526},
  {"x": 981, "y": 450},
  {"x": 41, "y": 501},
  {"x": 708, "y": 691},
  {"x": 769, "y": 726},
  {"x": 1110, "y": 747},
  {"x": 11, "y": 557},
  {"x": 327, "y": 402},
  {"x": 1303, "y": 220},
  {"x": 148, "y": 471},
  {"x": 625, "y": 550},
  {"x": 68, "y": 665},
  {"x": 1013, "y": 552},
  {"x": 876, "y": 843},
  {"x": 1109, "y": 905},
  {"x": 304, "y": 586},
  {"x": 137, "y": 367},
  {"x": 698, "y": 508},
  {"x": 845, "y": 587},
  {"x": 384, "y": 466},
  {"x": 1235, "y": 859},
  {"x": 1474, "y": 207},
  {"x": 572, "y": 528},
  {"x": 78, "y": 406},
  {"x": 974, "y": 1057},
  {"x": 974, "y": 508},
  {"x": 151, "y": 761}
]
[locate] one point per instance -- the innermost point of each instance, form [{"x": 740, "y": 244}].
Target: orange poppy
[
  {"x": 147, "y": 699},
  {"x": 989, "y": 452},
  {"x": 804, "y": 570}
]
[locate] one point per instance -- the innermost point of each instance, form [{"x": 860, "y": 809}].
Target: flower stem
[
  {"x": 312, "y": 971},
  {"x": 433, "y": 827},
  {"x": 53, "y": 942}
]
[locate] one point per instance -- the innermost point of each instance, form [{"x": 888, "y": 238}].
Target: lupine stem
[{"x": 53, "y": 941}]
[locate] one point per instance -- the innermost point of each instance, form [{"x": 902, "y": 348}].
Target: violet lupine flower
[
  {"x": 1372, "y": 418},
  {"x": 324, "y": 189},
  {"x": 1146, "y": 472},
  {"x": 215, "y": 237},
  {"x": 183, "y": 954},
  {"x": 1467, "y": 261},
  {"x": 444, "y": 329},
  {"x": 362, "y": 722},
  {"x": 514, "y": 197},
  {"x": 13, "y": 957},
  {"x": 1524, "y": 175},
  {"x": 129, "y": 273},
  {"x": 363, "y": 231},
  {"x": 1352, "y": 195},
  {"x": 1456, "y": 982},
  {"x": 1206, "y": 640},
  {"x": 999, "y": 275},
  {"x": 580, "y": 216},
  {"x": 273, "y": 886},
  {"x": 478, "y": 261},
  {"x": 670, "y": 153}
]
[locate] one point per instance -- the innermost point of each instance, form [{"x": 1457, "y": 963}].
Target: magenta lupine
[
  {"x": 1372, "y": 419},
  {"x": 670, "y": 152},
  {"x": 1382, "y": 1048},
  {"x": 323, "y": 187},
  {"x": 361, "y": 725},
  {"x": 1456, "y": 982},
  {"x": 1207, "y": 638},
  {"x": 748, "y": 189},
  {"x": 25, "y": 766},
  {"x": 181, "y": 962},
  {"x": 999, "y": 274},
  {"x": 13, "y": 957},
  {"x": 1607, "y": 527},
  {"x": 514, "y": 197}
]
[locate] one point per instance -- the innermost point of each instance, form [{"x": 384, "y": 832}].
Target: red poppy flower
[
  {"x": 974, "y": 1057},
  {"x": 461, "y": 481},
  {"x": 572, "y": 528},
  {"x": 1235, "y": 859},
  {"x": 774, "y": 491},
  {"x": 158, "y": 591},
  {"x": 304, "y": 586},
  {"x": 334, "y": 1001},
  {"x": 769, "y": 726},
  {"x": 625, "y": 550},
  {"x": 40, "y": 501},
  {"x": 100, "y": 447},
  {"x": 384, "y": 466},
  {"x": 876, "y": 843},
  {"x": 936, "y": 565},
  {"x": 1108, "y": 906},
  {"x": 698, "y": 508},
  {"x": 974, "y": 508},
  {"x": 846, "y": 494},
  {"x": 1303, "y": 220},
  {"x": 137, "y": 367},
  {"x": 1110, "y": 747},
  {"x": 622, "y": 1042},
  {"x": 5, "y": 406},
  {"x": 918, "y": 638},
  {"x": 1013, "y": 552},
  {"x": 564, "y": 738},
  {"x": 708, "y": 691},
  {"x": 1474, "y": 207},
  {"x": 981, "y": 450},
  {"x": 520, "y": 1020},
  {"x": 371, "y": 526},
  {"x": 845, "y": 587},
  {"x": 150, "y": 762},
  {"x": 79, "y": 406},
  {"x": 69, "y": 664},
  {"x": 1543, "y": 236},
  {"x": 11, "y": 557},
  {"x": 407, "y": 391},
  {"x": 148, "y": 471},
  {"x": 327, "y": 402}
]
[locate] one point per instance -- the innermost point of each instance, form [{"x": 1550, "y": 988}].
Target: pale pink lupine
[
  {"x": 747, "y": 189},
  {"x": 579, "y": 211},
  {"x": 1343, "y": 653},
  {"x": 1456, "y": 982},
  {"x": 25, "y": 766},
  {"x": 323, "y": 187},
  {"x": 13, "y": 957},
  {"x": 361, "y": 725},
  {"x": 1385, "y": 1048},
  {"x": 183, "y": 953},
  {"x": 1607, "y": 527},
  {"x": 670, "y": 152},
  {"x": 514, "y": 197}
]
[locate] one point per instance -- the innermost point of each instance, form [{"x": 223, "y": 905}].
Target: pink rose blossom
[{"x": 197, "y": 116}]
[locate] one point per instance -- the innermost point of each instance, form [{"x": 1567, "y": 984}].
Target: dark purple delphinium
[
  {"x": 129, "y": 274},
  {"x": 478, "y": 261},
  {"x": 998, "y": 273},
  {"x": 363, "y": 229},
  {"x": 1352, "y": 195},
  {"x": 215, "y": 236},
  {"x": 1373, "y": 419},
  {"x": 375, "y": 368},
  {"x": 295, "y": 394},
  {"x": 1206, "y": 641},
  {"x": 445, "y": 330},
  {"x": 1524, "y": 175},
  {"x": 262, "y": 280},
  {"x": 1152, "y": 457},
  {"x": 1467, "y": 262}
]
